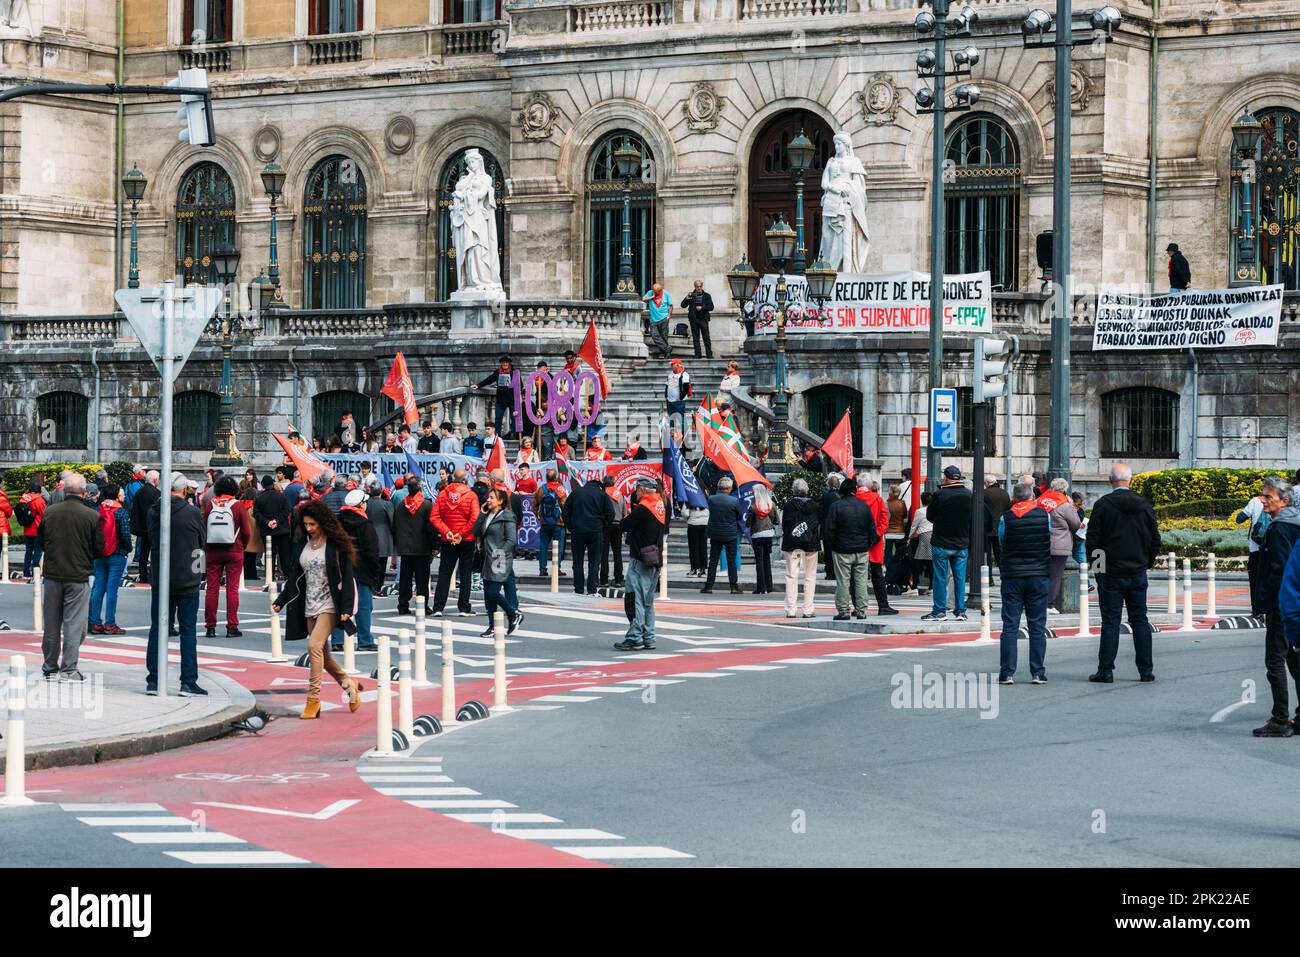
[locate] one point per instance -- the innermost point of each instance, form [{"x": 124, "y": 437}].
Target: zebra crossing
[{"x": 186, "y": 839}]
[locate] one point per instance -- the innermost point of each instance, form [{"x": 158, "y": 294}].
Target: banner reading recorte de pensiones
[
  {"x": 893, "y": 302},
  {"x": 1201, "y": 319}
]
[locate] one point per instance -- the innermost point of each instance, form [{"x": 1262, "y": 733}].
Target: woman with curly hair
[{"x": 320, "y": 593}]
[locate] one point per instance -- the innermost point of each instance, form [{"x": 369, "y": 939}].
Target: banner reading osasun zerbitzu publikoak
[
  {"x": 1198, "y": 319},
  {"x": 889, "y": 303}
]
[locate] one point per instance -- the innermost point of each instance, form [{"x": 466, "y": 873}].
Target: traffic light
[
  {"x": 993, "y": 367},
  {"x": 197, "y": 110}
]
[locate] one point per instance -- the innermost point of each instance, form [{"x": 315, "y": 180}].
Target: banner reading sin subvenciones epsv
[
  {"x": 894, "y": 302},
  {"x": 1199, "y": 319}
]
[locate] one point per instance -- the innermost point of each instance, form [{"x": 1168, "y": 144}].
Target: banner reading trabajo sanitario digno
[
  {"x": 893, "y": 302},
  {"x": 1202, "y": 319}
]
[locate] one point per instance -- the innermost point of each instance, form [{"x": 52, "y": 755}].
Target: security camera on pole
[{"x": 992, "y": 379}]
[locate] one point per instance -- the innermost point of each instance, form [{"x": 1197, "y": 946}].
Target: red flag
[
  {"x": 726, "y": 458},
  {"x": 590, "y": 353},
  {"x": 497, "y": 459},
  {"x": 308, "y": 466},
  {"x": 839, "y": 445},
  {"x": 398, "y": 388}
]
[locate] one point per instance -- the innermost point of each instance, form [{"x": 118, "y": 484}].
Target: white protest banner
[
  {"x": 894, "y": 302},
  {"x": 1201, "y": 319}
]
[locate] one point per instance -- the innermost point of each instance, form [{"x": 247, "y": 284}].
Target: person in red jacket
[
  {"x": 454, "y": 515},
  {"x": 876, "y": 556},
  {"x": 34, "y": 500},
  {"x": 225, "y": 518}
]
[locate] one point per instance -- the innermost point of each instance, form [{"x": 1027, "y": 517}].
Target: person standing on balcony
[
  {"x": 503, "y": 379},
  {"x": 1180, "y": 270},
  {"x": 699, "y": 307},
  {"x": 660, "y": 305}
]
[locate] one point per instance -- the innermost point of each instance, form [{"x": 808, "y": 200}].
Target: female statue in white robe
[
  {"x": 474, "y": 229},
  {"x": 845, "y": 241}
]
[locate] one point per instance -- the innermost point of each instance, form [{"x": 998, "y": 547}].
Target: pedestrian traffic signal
[
  {"x": 197, "y": 110},
  {"x": 993, "y": 367}
]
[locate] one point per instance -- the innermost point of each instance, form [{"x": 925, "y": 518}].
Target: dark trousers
[
  {"x": 503, "y": 412},
  {"x": 701, "y": 330},
  {"x": 499, "y": 596},
  {"x": 697, "y": 539},
  {"x": 250, "y": 567},
  {"x": 280, "y": 545},
  {"x": 31, "y": 555},
  {"x": 716, "y": 548},
  {"x": 1056, "y": 576},
  {"x": 993, "y": 555},
  {"x": 1027, "y": 595},
  {"x": 1114, "y": 593},
  {"x": 1279, "y": 658},
  {"x": 763, "y": 563},
  {"x": 878, "y": 586},
  {"x": 586, "y": 559},
  {"x": 613, "y": 543},
  {"x": 414, "y": 571},
  {"x": 1252, "y": 574},
  {"x": 146, "y": 549},
  {"x": 186, "y": 610},
  {"x": 458, "y": 558}
]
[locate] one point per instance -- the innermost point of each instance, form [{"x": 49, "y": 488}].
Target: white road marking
[
  {"x": 755, "y": 667},
  {"x": 380, "y": 769},
  {"x": 438, "y": 804},
  {"x": 169, "y": 821},
  {"x": 566, "y": 698},
  {"x": 398, "y": 779},
  {"x": 642, "y": 682},
  {"x": 804, "y": 661},
  {"x": 179, "y": 837},
  {"x": 582, "y": 615},
  {"x": 559, "y": 834},
  {"x": 235, "y": 857},
  {"x": 538, "y": 707},
  {"x": 625, "y": 853},
  {"x": 701, "y": 674},
  {"x": 112, "y": 807},
  {"x": 916, "y": 651},
  {"x": 506, "y": 818},
  {"x": 859, "y": 654},
  {"x": 1224, "y": 712},
  {"x": 425, "y": 792}
]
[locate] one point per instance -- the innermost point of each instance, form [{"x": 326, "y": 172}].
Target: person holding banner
[{"x": 413, "y": 539}]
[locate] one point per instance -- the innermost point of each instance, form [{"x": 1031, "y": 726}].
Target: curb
[{"x": 242, "y": 704}]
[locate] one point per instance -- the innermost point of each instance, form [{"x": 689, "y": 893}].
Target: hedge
[
  {"x": 781, "y": 488},
  {"x": 119, "y": 472},
  {"x": 15, "y": 479},
  {"x": 1176, "y": 486},
  {"x": 1203, "y": 508}
]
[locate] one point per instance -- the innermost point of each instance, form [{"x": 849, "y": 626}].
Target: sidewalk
[{"x": 109, "y": 715}]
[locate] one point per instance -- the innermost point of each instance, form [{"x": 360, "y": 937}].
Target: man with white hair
[
  {"x": 1123, "y": 542},
  {"x": 1278, "y": 497},
  {"x": 57, "y": 495},
  {"x": 725, "y": 519},
  {"x": 800, "y": 539},
  {"x": 72, "y": 537}
]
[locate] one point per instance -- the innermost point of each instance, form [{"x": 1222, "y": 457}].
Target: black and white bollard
[
  {"x": 4, "y": 557},
  {"x": 663, "y": 570},
  {"x": 277, "y": 639},
  {"x": 405, "y": 705},
  {"x": 16, "y": 750},
  {"x": 499, "y": 662},
  {"x": 1211, "y": 599},
  {"x": 426, "y": 725},
  {"x": 1173, "y": 585},
  {"x": 448, "y": 675},
  {"x": 555, "y": 567},
  {"x": 1188, "y": 624},
  {"x": 986, "y": 624},
  {"x": 384, "y": 703},
  {"x": 270, "y": 570},
  {"x": 421, "y": 678},
  {"x": 1084, "y": 624},
  {"x": 38, "y": 610}
]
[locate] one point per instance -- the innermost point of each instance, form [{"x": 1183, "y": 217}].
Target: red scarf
[
  {"x": 658, "y": 298},
  {"x": 413, "y": 501},
  {"x": 631, "y": 450},
  {"x": 354, "y": 508},
  {"x": 652, "y": 501},
  {"x": 1021, "y": 509},
  {"x": 760, "y": 511},
  {"x": 1051, "y": 499}
]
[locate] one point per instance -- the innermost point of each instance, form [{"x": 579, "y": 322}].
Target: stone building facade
[{"x": 392, "y": 91}]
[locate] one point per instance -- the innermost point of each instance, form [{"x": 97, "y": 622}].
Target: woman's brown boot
[
  {"x": 312, "y": 710},
  {"x": 354, "y": 690}
]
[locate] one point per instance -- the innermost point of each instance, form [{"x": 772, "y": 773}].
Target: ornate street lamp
[
  {"x": 781, "y": 240},
  {"x": 1246, "y": 133},
  {"x": 261, "y": 288},
  {"x": 627, "y": 161},
  {"x": 133, "y": 186},
  {"x": 801, "y": 153},
  {"x": 273, "y": 176},
  {"x": 743, "y": 280},
  {"x": 821, "y": 281},
  {"x": 226, "y": 454}
]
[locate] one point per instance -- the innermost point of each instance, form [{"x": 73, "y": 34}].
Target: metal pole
[
  {"x": 38, "y": 608},
  {"x": 273, "y": 272},
  {"x": 405, "y": 704},
  {"x": 1058, "y": 454},
  {"x": 977, "y": 530},
  {"x": 1188, "y": 624},
  {"x": 801, "y": 248},
  {"x": 1083, "y": 598},
  {"x": 986, "y": 624},
  {"x": 134, "y": 281},
  {"x": 1173, "y": 586},
  {"x": 934, "y": 460},
  {"x": 384, "y": 703},
  {"x": 162, "y": 586}
]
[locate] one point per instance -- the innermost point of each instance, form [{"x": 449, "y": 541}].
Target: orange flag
[
  {"x": 726, "y": 458},
  {"x": 497, "y": 459},
  {"x": 590, "y": 353},
  {"x": 309, "y": 467},
  {"x": 839, "y": 445},
  {"x": 398, "y": 388}
]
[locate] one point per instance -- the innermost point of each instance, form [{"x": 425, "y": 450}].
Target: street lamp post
[
  {"x": 800, "y": 152},
  {"x": 133, "y": 186},
  {"x": 226, "y": 455},
  {"x": 273, "y": 176},
  {"x": 627, "y": 160}
]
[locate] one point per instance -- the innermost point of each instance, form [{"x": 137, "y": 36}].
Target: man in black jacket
[
  {"x": 146, "y": 497},
  {"x": 1180, "y": 270},
  {"x": 413, "y": 539},
  {"x": 1123, "y": 542},
  {"x": 850, "y": 531},
  {"x": 1025, "y": 534},
  {"x": 829, "y": 498},
  {"x": 368, "y": 569},
  {"x": 587, "y": 512},
  {"x": 503, "y": 378},
  {"x": 71, "y": 537},
  {"x": 699, "y": 307},
  {"x": 725, "y": 518},
  {"x": 1279, "y": 657},
  {"x": 271, "y": 512},
  {"x": 949, "y": 513},
  {"x": 800, "y": 536},
  {"x": 188, "y": 538}
]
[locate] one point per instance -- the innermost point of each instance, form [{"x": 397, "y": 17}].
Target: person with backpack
[
  {"x": 111, "y": 565},
  {"x": 72, "y": 537},
  {"x": 225, "y": 518},
  {"x": 30, "y": 511},
  {"x": 548, "y": 505},
  {"x": 801, "y": 532}
]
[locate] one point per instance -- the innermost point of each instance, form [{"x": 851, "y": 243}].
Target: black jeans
[
  {"x": 613, "y": 542},
  {"x": 716, "y": 547},
  {"x": 878, "y": 585},
  {"x": 250, "y": 566},
  {"x": 1114, "y": 593},
  {"x": 763, "y": 564},
  {"x": 586, "y": 559},
  {"x": 415, "y": 569},
  {"x": 504, "y": 411},
  {"x": 1279, "y": 658},
  {"x": 1252, "y": 574},
  {"x": 697, "y": 538},
  {"x": 459, "y": 558},
  {"x": 701, "y": 330},
  {"x": 1055, "y": 578}
]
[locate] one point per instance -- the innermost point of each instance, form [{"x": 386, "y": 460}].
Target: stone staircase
[{"x": 636, "y": 397}]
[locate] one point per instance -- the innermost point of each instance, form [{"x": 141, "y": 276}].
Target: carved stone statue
[
  {"x": 845, "y": 241},
  {"x": 474, "y": 230}
]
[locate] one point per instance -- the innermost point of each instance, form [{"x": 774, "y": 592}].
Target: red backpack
[{"x": 108, "y": 522}]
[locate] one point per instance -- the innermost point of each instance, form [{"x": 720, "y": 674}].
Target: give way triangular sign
[{"x": 143, "y": 308}]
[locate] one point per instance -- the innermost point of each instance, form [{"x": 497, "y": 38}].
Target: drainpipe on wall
[
  {"x": 94, "y": 432},
  {"x": 1153, "y": 79},
  {"x": 297, "y": 386},
  {"x": 1196, "y": 375},
  {"x": 120, "y": 146}
]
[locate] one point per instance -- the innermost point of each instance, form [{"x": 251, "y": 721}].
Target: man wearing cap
[
  {"x": 1180, "y": 270},
  {"x": 949, "y": 513},
  {"x": 368, "y": 568}
]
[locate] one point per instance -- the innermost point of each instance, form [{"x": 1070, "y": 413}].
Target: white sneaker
[{"x": 1054, "y": 611}]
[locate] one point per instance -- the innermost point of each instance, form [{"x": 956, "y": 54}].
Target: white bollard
[
  {"x": 448, "y": 676},
  {"x": 421, "y": 679},
  {"x": 1084, "y": 627},
  {"x": 499, "y": 662},
  {"x": 384, "y": 703},
  {"x": 349, "y": 652},
  {"x": 38, "y": 610},
  {"x": 986, "y": 624},
  {"x": 16, "y": 752},
  {"x": 1173, "y": 585},
  {"x": 555, "y": 568},
  {"x": 4, "y": 558},
  {"x": 405, "y": 705},
  {"x": 270, "y": 574},
  {"x": 663, "y": 569},
  {"x": 277, "y": 642},
  {"x": 1187, "y": 595},
  {"x": 1211, "y": 600}
]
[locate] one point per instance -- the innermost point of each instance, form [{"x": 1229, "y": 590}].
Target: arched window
[
  {"x": 982, "y": 200},
  {"x": 61, "y": 420},
  {"x": 826, "y": 405},
  {"x": 205, "y": 221},
  {"x": 334, "y": 241},
  {"x": 605, "y": 217},
  {"x": 1140, "y": 422},
  {"x": 207, "y": 21},
  {"x": 771, "y": 185},
  {"x": 327, "y": 411},
  {"x": 447, "y": 251},
  {"x": 1265, "y": 238},
  {"x": 334, "y": 16},
  {"x": 966, "y": 425},
  {"x": 195, "y": 417}
]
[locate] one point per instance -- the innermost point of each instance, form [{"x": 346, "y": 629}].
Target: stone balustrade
[
  {"x": 570, "y": 314},
  {"x": 620, "y": 15},
  {"x": 788, "y": 9},
  {"x": 463, "y": 39},
  {"x": 347, "y": 49}
]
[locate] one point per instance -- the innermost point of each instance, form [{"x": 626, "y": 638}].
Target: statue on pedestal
[
  {"x": 474, "y": 232},
  {"x": 845, "y": 241}
]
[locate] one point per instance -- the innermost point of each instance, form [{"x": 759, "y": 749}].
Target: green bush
[
  {"x": 1175, "y": 486},
  {"x": 1202, "y": 508},
  {"x": 1186, "y": 543},
  {"x": 119, "y": 472},
  {"x": 15, "y": 479},
  {"x": 781, "y": 488}
]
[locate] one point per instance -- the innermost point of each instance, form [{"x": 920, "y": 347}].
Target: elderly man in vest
[{"x": 1025, "y": 539}]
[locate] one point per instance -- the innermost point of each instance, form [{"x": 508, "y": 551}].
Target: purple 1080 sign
[{"x": 560, "y": 404}]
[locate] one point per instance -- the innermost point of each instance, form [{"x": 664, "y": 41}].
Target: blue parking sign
[{"x": 943, "y": 418}]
